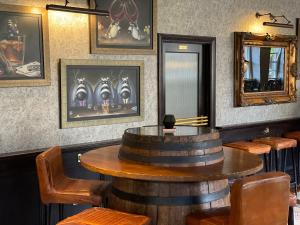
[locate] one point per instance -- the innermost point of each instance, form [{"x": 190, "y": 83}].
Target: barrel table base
[{"x": 167, "y": 202}]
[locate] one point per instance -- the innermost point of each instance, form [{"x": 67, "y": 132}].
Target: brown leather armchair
[
  {"x": 256, "y": 200},
  {"x": 57, "y": 188}
]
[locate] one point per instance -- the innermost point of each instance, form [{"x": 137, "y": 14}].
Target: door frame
[{"x": 209, "y": 67}]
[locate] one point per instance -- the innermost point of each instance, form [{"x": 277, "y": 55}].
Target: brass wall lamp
[
  {"x": 274, "y": 22},
  {"x": 89, "y": 10}
]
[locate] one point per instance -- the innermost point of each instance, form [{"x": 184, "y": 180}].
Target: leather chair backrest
[
  {"x": 260, "y": 200},
  {"x": 50, "y": 170}
]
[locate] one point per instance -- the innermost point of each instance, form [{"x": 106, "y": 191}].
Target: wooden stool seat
[
  {"x": 277, "y": 143},
  {"x": 101, "y": 216},
  {"x": 252, "y": 147},
  {"x": 293, "y": 135}
]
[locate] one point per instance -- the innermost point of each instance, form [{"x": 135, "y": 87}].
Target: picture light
[
  {"x": 66, "y": 8},
  {"x": 274, "y": 22}
]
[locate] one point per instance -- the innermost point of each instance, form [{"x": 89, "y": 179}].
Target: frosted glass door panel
[{"x": 181, "y": 84}]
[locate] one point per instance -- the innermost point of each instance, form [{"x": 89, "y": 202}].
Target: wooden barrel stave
[{"x": 162, "y": 214}]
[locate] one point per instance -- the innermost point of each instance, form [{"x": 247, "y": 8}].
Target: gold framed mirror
[{"x": 265, "y": 68}]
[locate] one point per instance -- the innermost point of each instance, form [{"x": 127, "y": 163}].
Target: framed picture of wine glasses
[
  {"x": 95, "y": 92},
  {"x": 130, "y": 27},
  {"x": 24, "y": 51}
]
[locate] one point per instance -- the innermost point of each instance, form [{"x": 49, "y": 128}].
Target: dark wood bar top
[{"x": 236, "y": 164}]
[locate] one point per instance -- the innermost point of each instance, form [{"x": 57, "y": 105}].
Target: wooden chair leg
[
  {"x": 41, "y": 213},
  {"x": 276, "y": 160},
  {"x": 49, "y": 213},
  {"x": 284, "y": 159},
  {"x": 271, "y": 160},
  {"x": 45, "y": 215},
  {"x": 61, "y": 212},
  {"x": 266, "y": 162},
  {"x": 294, "y": 169}
]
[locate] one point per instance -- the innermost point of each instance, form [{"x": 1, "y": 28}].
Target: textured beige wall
[{"x": 29, "y": 117}]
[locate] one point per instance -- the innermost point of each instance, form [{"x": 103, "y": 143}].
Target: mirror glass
[{"x": 263, "y": 69}]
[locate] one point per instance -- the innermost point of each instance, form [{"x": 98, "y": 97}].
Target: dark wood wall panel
[
  {"x": 252, "y": 131},
  {"x": 19, "y": 192}
]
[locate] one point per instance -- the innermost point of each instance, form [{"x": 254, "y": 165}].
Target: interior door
[{"x": 186, "y": 78}]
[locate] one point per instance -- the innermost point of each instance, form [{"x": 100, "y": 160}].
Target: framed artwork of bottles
[
  {"x": 130, "y": 27},
  {"x": 95, "y": 92},
  {"x": 24, "y": 50}
]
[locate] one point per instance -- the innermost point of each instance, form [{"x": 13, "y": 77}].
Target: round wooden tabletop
[{"x": 105, "y": 160}]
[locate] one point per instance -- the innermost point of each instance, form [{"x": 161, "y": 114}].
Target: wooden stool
[
  {"x": 254, "y": 148},
  {"x": 295, "y": 135},
  {"x": 101, "y": 216},
  {"x": 56, "y": 188},
  {"x": 279, "y": 144},
  {"x": 252, "y": 199}
]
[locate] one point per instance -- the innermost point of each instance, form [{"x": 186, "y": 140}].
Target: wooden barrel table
[
  {"x": 167, "y": 190},
  {"x": 187, "y": 146}
]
